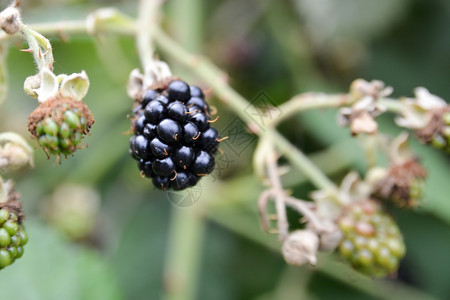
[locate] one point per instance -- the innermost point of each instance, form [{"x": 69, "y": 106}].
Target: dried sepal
[
  {"x": 74, "y": 86},
  {"x": 31, "y": 85},
  {"x": 48, "y": 88},
  {"x": 135, "y": 84}
]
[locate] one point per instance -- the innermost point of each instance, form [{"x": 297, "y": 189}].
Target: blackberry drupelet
[
  {"x": 372, "y": 242},
  {"x": 172, "y": 140}
]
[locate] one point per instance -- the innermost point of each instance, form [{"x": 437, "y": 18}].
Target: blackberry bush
[
  {"x": 172, "y": 140},
  {"x": 372, "y": 242}
]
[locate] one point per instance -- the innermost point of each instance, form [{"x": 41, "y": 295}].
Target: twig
[
  {"x": 263, "y": 200},
  {"x": 147, "y": 20},
  {"x": 279, "y": 195},
  {"x": 309, "y": 101}
]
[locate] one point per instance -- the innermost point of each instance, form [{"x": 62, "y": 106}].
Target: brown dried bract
[
  {"x": 434, "y": 126},
  {"x": 54, "y": 109},
  {"x": 397, "y": 183},
  {"x": 14, "y": 205}
]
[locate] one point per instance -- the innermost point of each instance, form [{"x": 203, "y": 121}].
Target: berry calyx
[
  {"x": 173, "y": 139},
  {"x": 59, "y": 125},
  {"x": 372, "y": 242}
]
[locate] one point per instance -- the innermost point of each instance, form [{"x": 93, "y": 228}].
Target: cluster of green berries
[
  {"x": 59, "y": 125},
  {"x": 12, "y": 238},
  {"x": 372, "y": 242}
]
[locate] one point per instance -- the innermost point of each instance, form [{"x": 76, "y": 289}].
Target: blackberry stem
[
  {"x": 39, "y": 46},
  {"x": 278, "y": 194},
  {"x": 147, "y": 20}
]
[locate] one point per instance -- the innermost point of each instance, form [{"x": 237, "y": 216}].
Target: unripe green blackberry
[
  {"x": 437, "y": 131},
  {"x": 59, "y": 125},
  {"x": 12, "y": 233},
  {"x": 372, "y": 242},
  {"x": 404, "y": 184}
]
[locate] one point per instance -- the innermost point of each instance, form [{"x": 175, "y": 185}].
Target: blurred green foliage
[{"x": 280, "y": 47}]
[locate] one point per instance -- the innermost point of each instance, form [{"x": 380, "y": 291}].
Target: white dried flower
[
  {"x": 15, "y": 152},
  {"x": 416, "y": 111},
  {"x": 300, "y": 248}
]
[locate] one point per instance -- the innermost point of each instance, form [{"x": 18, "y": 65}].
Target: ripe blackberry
[
  {"x": 173, "y": 141},
  {"x": 12, "y": 233},
  {"x": 59, "y": 125},
  {"x": 372, "y": 242}
]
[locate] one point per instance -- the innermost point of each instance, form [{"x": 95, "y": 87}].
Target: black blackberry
[{"x": 173, "y": 141}]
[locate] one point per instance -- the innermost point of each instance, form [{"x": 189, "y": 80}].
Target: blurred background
[{"x": 99, "y": 231}]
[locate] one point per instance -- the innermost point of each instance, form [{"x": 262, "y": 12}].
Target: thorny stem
[
  {"x": 281, "y": 199},
  {"x": 39, "y": 46},
  {"x": 304, "y": 164},
  {"x": 278, "y": 194},
  {"x": 309, "y": 101},
  {"x": 147, "y": 20}
]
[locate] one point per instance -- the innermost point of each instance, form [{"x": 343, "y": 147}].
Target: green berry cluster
[
  {"x": 12, "y": 238},
  {"x": 59, "y": 125},
  {"x": 61, "y": 138},
  {"x": 372, "y": 242}
]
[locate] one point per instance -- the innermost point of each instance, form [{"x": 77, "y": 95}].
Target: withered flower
[{"x": 361, "y": 115}]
